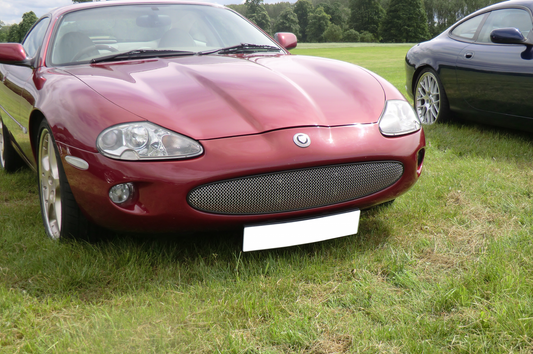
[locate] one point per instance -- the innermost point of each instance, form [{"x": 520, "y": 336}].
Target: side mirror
[
  {"x": 286, "y": 39},
  {"x": 13, "y": 53},
  {"x": 508, "y": 35}
]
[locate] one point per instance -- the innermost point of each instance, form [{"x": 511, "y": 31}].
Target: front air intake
[{"x": 295, "y": 189}]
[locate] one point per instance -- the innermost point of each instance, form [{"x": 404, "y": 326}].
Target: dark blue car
[{"x": 481, "y": 69}]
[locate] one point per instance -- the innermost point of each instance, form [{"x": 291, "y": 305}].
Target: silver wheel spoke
[
  {"x": 50, "y": 185},
  {"x": 428, "y": 98}
]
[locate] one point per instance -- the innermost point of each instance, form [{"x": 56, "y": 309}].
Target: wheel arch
[
  {"x": 36, "y": 118},
  {"x": 417, "y": 73}
]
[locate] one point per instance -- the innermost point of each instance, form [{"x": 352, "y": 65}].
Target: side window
[
  {"x": 467, "y": 30},
  {"x": 34, "y": 39},
  {"x": 516, "y": 18}
]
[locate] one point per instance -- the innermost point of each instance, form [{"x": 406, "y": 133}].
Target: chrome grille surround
[{"x": 295, "y": 189}]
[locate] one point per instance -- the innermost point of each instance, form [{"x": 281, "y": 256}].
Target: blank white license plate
[{"x": 292, "y": 233}]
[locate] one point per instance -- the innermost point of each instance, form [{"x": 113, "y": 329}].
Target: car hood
[{"x": 211, "y": 97}]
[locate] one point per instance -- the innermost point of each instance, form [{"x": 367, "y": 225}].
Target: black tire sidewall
[{"x": 12, "y": 161}]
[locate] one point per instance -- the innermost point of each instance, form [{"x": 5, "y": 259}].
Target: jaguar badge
[{"x": 302, "y": 140}]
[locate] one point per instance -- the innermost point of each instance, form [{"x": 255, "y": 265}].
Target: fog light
[{"x": 121, "y": 193}]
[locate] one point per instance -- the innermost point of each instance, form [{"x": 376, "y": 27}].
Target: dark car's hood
[{"x": 218, "y": 96}]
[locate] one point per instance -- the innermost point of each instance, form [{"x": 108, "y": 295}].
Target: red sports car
[{"x": 164, "y": 116}]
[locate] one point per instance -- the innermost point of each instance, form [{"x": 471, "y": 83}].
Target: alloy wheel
[
  {"x": 49, "y": 183},
  {"x": 428, "y": 98}
]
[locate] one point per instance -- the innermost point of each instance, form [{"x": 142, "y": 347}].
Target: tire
[
  {"x": 430, "y": 101},
  {"x": 10, "y": 161},
  {"x": 62, "y": 218}
]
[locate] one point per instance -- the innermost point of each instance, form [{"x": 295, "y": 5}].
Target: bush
[
  {"x": 367, "y": 37},
  {"x": 351, "y": 36},
  {"x": 333, "y": 33}
]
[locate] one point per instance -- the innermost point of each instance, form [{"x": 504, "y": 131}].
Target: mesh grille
[{"x": 296, "y": 189}]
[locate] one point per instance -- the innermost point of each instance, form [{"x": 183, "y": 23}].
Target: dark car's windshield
[{"x": 89, "y": 34}]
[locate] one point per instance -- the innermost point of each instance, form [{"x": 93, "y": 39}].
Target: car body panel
[
  {"x": 492, "y": 78},
  {"x": 163, "y": 186},
  {"x": 227, "y": 96},
  {"x": 16, "y": 102}
]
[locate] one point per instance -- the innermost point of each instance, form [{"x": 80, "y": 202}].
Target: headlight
[
  {"x": 145, "y": 141},
  {"x": 399, "y": 118}
]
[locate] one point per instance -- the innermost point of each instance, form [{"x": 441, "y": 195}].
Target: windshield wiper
[
  {"x": 242, "y": 48},
  {"x": 141, "y": 54}
]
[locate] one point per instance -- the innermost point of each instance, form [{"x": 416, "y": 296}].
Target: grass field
[{"x": 448, "y": 267}]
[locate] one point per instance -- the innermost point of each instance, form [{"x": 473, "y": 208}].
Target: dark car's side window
[
  {"x": 516, "y": 18},
  {"x": 35, "y": 38},
  {"x": 467, "y": 30}
]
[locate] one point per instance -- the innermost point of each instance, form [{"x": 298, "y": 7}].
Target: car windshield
[{"x": 151, "y": 30}]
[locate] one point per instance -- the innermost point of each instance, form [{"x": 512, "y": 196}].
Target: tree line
[{"x": 399, "y": 21}]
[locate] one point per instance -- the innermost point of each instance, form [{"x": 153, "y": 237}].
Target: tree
[
  {"x": 318, "y": 24},
  {"x": 302, "y": 9},
  {"x": 256, "y": 12},
  {"x": 287, "y": 22},
  {"x": 405, "y": 22},
  {"x": 14, "y": 34},
  {"x": 339, "y": 14},
  {"x": 3, "y": 31},
  {"x": 240, "y": 8},
  {"x": 366, "y": 15},
  {"x": 274, "y": 10},
  {"x": 443, "y": 14},
  {"x": 28, "y": 19},
  {"x": 333, "y": 33}
]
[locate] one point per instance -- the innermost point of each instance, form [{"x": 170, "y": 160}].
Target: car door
[
  {"x": 18, "y": 91},
  {"x": 8, "y": 97},
  {"x": 498, "y": 78}
]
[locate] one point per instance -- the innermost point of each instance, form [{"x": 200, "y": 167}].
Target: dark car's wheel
[
  {"x": 61, "y": 215},
  {"x": 431, "y": 103},
  {"x": 10, "y": 161}
]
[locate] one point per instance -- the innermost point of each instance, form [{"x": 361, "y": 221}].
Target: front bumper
[{"x": 163, "y": 186}]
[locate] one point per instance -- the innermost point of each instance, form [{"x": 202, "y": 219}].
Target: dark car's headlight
[
  {"x": 398, "y": 118},
  {"x": 145, "y": 141}
]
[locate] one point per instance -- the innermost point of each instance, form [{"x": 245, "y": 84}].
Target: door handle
[{"x": 469, "y": 55}]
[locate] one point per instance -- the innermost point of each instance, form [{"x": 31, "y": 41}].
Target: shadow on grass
[{"x": 126, "y": 264}]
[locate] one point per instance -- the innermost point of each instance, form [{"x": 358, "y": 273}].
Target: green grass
[{"x": 448, "y": 267}]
